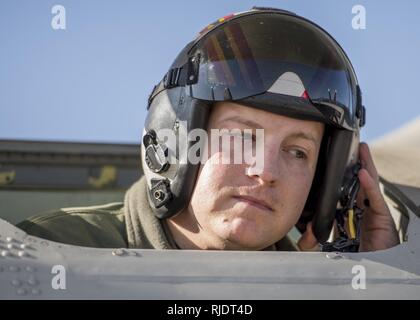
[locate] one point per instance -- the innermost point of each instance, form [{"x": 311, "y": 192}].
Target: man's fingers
[
  {"x": 367, "y": 161},
  {"x": 360, "y": 200},
  {"x": 371, "y": 189}
]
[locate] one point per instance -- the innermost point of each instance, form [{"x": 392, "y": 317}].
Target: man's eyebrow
[
  {"x": 253, "y": 124},
  {"x": 247, "y": 122},
  {"x": 303, "y": 135}
]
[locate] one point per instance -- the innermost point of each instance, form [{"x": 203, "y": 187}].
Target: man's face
[{"x": 235, "y": 208}]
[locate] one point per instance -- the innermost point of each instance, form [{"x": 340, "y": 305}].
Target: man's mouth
[{"x": 254, "y": 202}]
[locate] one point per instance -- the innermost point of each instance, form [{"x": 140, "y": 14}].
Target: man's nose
[{"x": 269, "y": 170}]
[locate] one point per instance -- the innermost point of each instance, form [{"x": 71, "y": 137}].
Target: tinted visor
[{"x": 262, "y": 52}]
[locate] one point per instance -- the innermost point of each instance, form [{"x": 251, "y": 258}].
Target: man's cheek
[
  {"x": 302, "y": 177},
  {"x": 300, "y": 194},
  {"x": 218, "y": 172}
]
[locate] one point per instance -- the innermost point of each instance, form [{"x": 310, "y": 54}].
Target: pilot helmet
[{"x": 264, "y": 58}]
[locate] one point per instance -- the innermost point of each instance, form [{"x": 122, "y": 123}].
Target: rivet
[
  {"x": 30, "y": 269},
  {"x": 14, "y": 269},
  {"x": 21, "y": 254},
  {"x": 5, "y": 253},
  {"x": 9, "y": 239},
  {"x": 334, "y": 255},
  {"x": 10, "y": 246},
  {"x": 16, "y": 283},
  {"x": 23, "y": 246},
  {"x": 21, "y": 291},
  {"x": 118, "y": 252},
  {"x": 36, "y": 291},
  {"x": 32, "y": 281}
]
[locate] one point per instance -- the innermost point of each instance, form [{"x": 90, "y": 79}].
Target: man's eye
[{"x": 299, "y": 154}]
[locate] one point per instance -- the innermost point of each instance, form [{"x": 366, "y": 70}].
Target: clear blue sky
[{"x": 91, "y": 81}]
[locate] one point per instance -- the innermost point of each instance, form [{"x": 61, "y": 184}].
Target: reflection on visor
[
  {"x": 231, "y": 58},
  {"x": 246, "y": 57}
]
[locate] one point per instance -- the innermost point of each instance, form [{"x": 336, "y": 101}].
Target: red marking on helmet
[
  {"x": 218, "y": 21},
  {"x": 305, "y": 95}
]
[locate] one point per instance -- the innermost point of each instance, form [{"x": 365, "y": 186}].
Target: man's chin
[
  {"x": 243, "y": 234},
  {"x": 240, "y": 245}
]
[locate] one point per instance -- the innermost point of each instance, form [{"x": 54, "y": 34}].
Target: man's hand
[{"x": 377, "y": 228}]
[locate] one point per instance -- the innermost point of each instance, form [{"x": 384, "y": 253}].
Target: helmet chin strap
[{"x": 349, "y": 238}]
